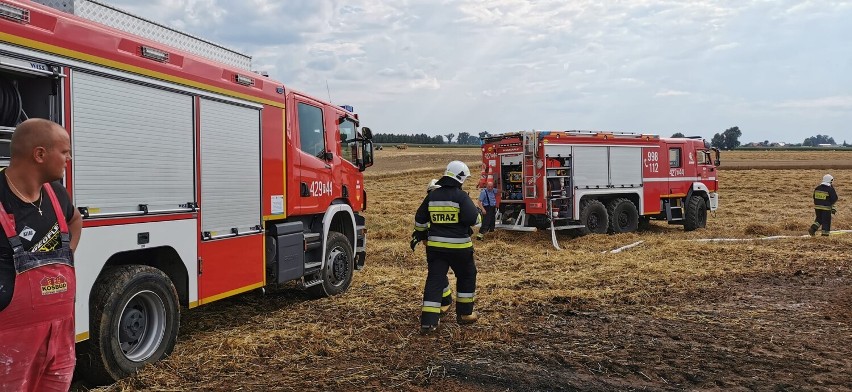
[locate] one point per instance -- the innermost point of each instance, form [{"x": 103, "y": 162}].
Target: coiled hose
[{"x": 11, "y": 105}]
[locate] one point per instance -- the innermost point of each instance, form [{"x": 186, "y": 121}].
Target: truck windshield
[{"x": 348, "y": 145}]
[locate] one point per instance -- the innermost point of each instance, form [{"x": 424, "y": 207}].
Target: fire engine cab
[
  {"x": 599, "y": 182},
  {"x": 197, "y": 178}
]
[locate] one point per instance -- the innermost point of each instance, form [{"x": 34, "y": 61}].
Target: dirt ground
[{"x": 668, "y": 314}]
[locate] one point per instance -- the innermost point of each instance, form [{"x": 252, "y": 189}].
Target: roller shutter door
[
  {"x": 625, "y": 166},
  {"x": 133, "y": 145},
  {"x": 230, "y": 169},
  {"x": 591, "y": 167}
]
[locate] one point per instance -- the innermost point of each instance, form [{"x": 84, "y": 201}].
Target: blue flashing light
[{"x": 348, "y": 108}]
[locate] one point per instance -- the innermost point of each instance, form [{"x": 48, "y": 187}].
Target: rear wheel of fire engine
[
  {"x": 339, "y": 264},
  {"x": 696, "y": 214},
  {"x": 623, "y": 216},
  {"x": 134, "y": 321},
  {"x": 594, "y": 216}
]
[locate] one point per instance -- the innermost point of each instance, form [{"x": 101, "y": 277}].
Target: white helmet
[
  {"x": 827, "y": 179},
  {"x": 432, "y": 185},
  {"x": 458, "y": 171}
]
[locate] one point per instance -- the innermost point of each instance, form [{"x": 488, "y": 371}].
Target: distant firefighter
[
  {"x": 444, "y": 221},
  {"x": 824, "y": 199}
]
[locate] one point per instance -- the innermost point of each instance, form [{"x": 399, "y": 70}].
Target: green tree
[
  {"x": 728, "y": 140},
  {"x": 718, "y": 141},
  {"x": 450, "y": 137},
  {"x": 814, "y": 141},
  {"x": 678, "y": 134},
  {"x": 732, "y": 138}
]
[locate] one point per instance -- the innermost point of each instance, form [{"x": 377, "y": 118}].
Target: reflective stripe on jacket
[
  {"x": 447, "y": 213},
  {"x": 824, "y": 197}
]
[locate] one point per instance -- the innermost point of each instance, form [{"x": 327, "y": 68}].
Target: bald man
[{"x": 37, "y": 282}]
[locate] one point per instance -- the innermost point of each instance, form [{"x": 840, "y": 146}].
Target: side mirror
[
  {"x": 366, "y": 155},
  {"x": 368, "y": 133}
]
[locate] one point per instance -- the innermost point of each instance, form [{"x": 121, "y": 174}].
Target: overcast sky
[{"x": 780, "y": 70}]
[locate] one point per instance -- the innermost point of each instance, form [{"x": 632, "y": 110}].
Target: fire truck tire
[
  {"x": 696, "y": 214},
  {"x": 594, "y": 216},
  {"x": 623, "y": 216},
  {"x": 339, "y": 264},
  {"x": 134, "y": 321}
]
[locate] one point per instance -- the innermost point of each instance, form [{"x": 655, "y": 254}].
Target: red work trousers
[{"x": 37, "y": 331}]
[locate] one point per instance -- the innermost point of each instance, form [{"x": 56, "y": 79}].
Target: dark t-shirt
[{"x": 38, "y": 233}]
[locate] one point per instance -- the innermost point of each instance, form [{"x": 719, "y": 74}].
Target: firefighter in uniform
[
  {"x": 447, "y": 294},
  {"x": 444, "y": 220},
  {"x": 824, "y": 199},
  {"x": 37, "y": 282}
]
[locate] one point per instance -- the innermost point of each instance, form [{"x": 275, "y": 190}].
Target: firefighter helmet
[
  {"x": 458, "y": 171},
  {"x": 432, "y": 185},
  {"x": 827, "y": 179}
]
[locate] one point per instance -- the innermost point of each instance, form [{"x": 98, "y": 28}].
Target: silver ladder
[{"x": 530, "y": 172}]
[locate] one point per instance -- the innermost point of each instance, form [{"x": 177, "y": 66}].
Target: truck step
[
  {"x": 311, "y": 283},
  {"x": 312, "y": 267},
  {"x": 514, "y": 227},
  {"x": 674, "y": 213},
  {"x": 567, "y": 227},
  {"x": 312, "y": 241}
]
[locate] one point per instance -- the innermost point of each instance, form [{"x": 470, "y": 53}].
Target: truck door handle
[{"x": 303, "y": 190}]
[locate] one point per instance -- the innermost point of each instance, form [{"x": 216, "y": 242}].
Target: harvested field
[
  {"x": 808, "y": 159},
  {"x": 668, "y": 314}
]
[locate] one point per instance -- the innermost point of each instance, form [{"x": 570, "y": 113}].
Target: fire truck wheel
[
  {"x": 339, "y": 264},
  {"x": 594, "y": 216},
  {"x": 623, "y": 216},
  {"x": 134, "y": 321},
  {"x": 696, "y": 214}
]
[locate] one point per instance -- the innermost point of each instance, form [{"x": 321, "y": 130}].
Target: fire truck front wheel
[
  {"x": 696, "y": 214},
  {"x": 339, "y": 264},
  {"x": 134, "y": 321},
  {"x": 594, "y": 216}
]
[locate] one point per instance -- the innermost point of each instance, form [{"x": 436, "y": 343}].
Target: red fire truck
[
  {"x": 599, "y": 182},
  {"x": 197, "y": 178}
]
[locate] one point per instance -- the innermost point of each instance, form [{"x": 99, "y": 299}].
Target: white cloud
[
  {"x": 843, "y": 102},
  {"x": 427, "y": 83},
  {"x": 670, "y": 93},
  {"x": 566, "y": 64}
]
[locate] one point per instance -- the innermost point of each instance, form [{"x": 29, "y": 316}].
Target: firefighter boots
[
  {"x": 467, "y": 318},
  {"x": 813, "y": 229},
  {"x": 428, "y": 329}
]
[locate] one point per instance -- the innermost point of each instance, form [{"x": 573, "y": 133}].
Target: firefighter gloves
[{"x": 416, "y": 237}]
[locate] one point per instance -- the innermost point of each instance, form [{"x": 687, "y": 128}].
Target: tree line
[
  {"x": 421, "y": 138},
  {"x": 728, "y": 139}
]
